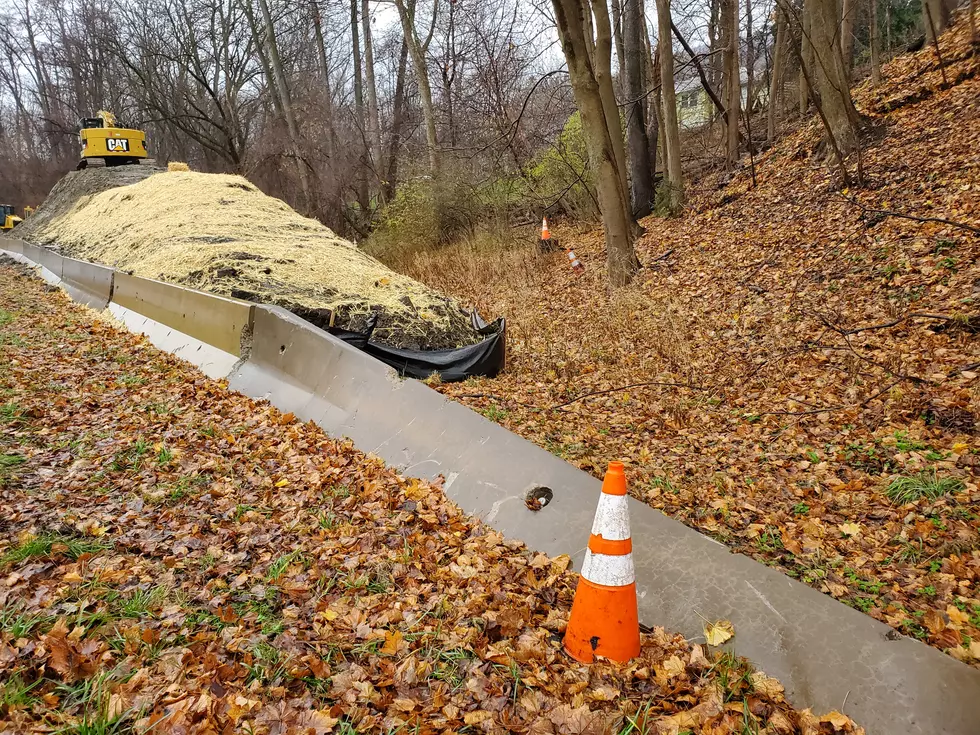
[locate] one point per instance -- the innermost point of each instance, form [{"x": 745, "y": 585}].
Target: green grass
[
  {"x": 19, "y": 624},
  {"x": 280, "y": 565},
  {"x": 5, "y": 317},
  {"x": 663, "y": 483},
  {"x": 132, "y": 458},
  {"x": 16, "y": 692},
  {"x": 495, "y": 413},
  {"x": 164, "y": 456},
  {"x": 9, "y": 413},
  {"x": 139, "y": 602},
  {"x": 43, "y": 546},
  {"x": 734, "y": 675},
  {"x": 7, "y": 464},
  {"x": 268, "y": 665},
  {"x": 927, "y": 485}
]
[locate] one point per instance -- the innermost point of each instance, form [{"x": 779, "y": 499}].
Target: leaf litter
[
  {"x": 178, "y": 558},
  {"x": 795, "y": 373}
]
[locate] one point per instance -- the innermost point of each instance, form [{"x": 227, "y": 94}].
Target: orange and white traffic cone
[
  {"x": 545, "y": 232},
  {"x": 576, "y": 263},
  {"x": 604, "y": 619}
]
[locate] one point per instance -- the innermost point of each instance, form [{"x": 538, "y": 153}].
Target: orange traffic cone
[
  {"x": 576, "y": 263},
  {"x": 545, "y": 232},
  {"x": 604, "y": 619}
]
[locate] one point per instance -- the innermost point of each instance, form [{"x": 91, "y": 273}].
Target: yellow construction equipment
[
  {"x": 8, "y": 220},
  {"x": 105, "y": 144}
]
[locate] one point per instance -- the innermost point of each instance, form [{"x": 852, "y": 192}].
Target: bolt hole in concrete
[
  {"x": 537, "y": 497},
  {"x": 282, "y": 349}
]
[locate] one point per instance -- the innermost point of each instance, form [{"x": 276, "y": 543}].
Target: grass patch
[
  {"x": 47, "y": 545},
  {"x": 15, "y": 692},
  {"x": 132, "y": 458},
  {"x": 9, "y": 413},
  {"x": 928, "y": 485},
  {"x": 19, "y": 624},
  {"x": 7, "y": 464},
  {"x": 280, "y": 565}
]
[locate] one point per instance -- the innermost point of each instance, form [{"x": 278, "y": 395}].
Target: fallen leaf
[{"x": 718, "y": 632}]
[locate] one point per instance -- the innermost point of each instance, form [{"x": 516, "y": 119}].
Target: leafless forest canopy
[{"x": 364, "y": 113}]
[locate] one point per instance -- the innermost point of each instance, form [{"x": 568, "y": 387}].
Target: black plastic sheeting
[{"x": 484, "y": 359}]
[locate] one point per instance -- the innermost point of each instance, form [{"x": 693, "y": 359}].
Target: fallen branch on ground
[{"x": 914, "y": 218}]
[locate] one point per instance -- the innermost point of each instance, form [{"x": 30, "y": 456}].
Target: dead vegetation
[
  {"x": 178, "y": 558},
  {"x": 792, "y": 374},
  {"x": 221, "y": 234}
]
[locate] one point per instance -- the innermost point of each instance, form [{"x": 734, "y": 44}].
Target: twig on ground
[
  {"x": 594, "y": 393},
  {"x": 885, "y": 325},
  {"x": 827, "y": 409},
  {"x": 914, "y": 218}
]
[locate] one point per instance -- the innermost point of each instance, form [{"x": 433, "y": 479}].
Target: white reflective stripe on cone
[
  {"x": 612, "y": 571},
  {"x": 612, "y": 518}
]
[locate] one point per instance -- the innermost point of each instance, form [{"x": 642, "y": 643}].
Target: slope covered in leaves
[
  {"x": 176, "y": 558},
  {"x": 795, "y": 372}
]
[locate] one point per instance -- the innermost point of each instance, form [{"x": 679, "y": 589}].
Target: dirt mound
[
  {"x": 76, "y": 188},
  {"x": 221, "y": 234}
]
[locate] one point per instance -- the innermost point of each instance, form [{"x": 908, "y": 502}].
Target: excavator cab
[
  {"x": 8, "y": 220},
  {"x": 105, "y": 144}
]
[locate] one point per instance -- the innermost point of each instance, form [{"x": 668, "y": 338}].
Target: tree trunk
[
  {"x": 286, "y": 100},
  {"x": 806, "y": 54},
  {"x": 325, "y": 73},
  {"x": 641, "y": 175},
  {"x": 830, "y": 77},
  {"x": 602, "y": 66},
  {"x": 363, "y": 199},
  {"x": 373, "y": 121},
  {"x": 397, "y": 116},
  {"x": 422, "y": 78},
  {"x": 848, "y": 18},
  {"x": 652, "y": 77},
  {"x": 672, "y": 133},
  {"x": 776, "y": 80},
  {"x": 749, "y": 60},
  {"x": 935, "y": 18},
  {"x": 733, "y": 84},
  {"x": 618, "y": 31},
  {"x": 875, "y": 43},
  {"x": 574, "y": 22}
]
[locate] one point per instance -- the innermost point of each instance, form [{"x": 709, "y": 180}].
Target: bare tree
[
  {"x": 417, "y": 49},
  {"x": 875, "y": 42},
  {"x": 732, "y": 80},
  {"x": 373, "y": 122},
  {"x": 776, "y": 77},
  {"x": 672, "y": 136},
  {"x": 849, "y": 10},
  {"x": 641, "y": 168},
  {"x": 575, "y": 21}
]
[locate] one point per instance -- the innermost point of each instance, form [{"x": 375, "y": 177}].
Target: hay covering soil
[{"x": 220, "y": 233}]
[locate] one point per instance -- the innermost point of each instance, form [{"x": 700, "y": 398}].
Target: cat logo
[{"x": 117, "y": 145}]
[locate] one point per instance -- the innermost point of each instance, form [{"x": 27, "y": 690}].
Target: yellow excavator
[
  {"x": 106, "y": 144},
  {"x": 8, "y": 220}
]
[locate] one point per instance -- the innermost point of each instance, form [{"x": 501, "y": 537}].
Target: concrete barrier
[
  {"x": 12, "y": 245},
  {"x": 51, "y": 261},
  {"x": 32, "y": 252},
  {"x": 823, "y": 652},
  {"x": 43, "y": 258},
  {"x": 87, "y": 283},
  {"x": 213, "y": 320}
]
